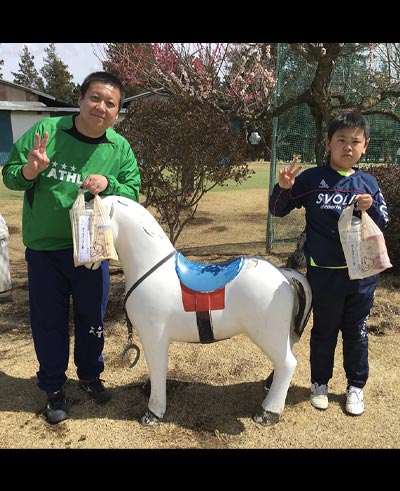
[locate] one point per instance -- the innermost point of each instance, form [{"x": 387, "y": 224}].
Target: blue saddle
[{"x": 206, "y": 277}]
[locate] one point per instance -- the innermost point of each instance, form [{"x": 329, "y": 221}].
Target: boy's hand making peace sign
[{"x": 287, "y": 174}]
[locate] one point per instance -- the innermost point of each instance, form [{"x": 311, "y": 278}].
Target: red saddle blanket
[{"x": 202, "y": 301}]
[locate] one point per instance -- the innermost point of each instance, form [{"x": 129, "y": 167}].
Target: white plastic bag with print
[
  {"x": 5, "y": 277},
  {"x": 91, "y": 232},
  {"x": 363, "y": 244}
]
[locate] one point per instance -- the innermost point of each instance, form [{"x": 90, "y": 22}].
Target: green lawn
[
  {"x": 7, "y": 194},
  {"x": 259, "y": 180}
]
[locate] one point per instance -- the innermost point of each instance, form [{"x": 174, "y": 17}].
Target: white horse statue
[{"x": 173, "y": 299}]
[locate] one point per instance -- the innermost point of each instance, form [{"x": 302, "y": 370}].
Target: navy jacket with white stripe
[{"x": 324, "y": 192}]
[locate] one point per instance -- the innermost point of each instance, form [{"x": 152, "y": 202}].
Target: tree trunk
[
  {"x": 297, "y": 260},
  {"x": 319, "y": 102}
]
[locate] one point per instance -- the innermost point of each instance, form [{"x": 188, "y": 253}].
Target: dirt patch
[{"x": 212, "y": 390}]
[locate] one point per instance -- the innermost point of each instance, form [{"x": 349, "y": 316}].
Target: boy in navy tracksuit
[{"x": 338, "y": 302}]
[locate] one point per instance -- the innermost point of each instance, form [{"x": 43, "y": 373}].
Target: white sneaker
[
  {"x": 319, "y": 395},
  {"x": 354, "y": 401}
]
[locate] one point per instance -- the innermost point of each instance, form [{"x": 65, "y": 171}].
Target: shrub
[
  {"x": 388, "y": 177},
  {"x": 184, "y": 149}
]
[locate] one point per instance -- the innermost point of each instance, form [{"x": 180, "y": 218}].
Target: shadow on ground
[{"x": 188, "y": 404}]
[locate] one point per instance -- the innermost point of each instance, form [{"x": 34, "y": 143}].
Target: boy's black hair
[
  {"x": 349, "y": 120},
  {"x": 106, "y": 78}
]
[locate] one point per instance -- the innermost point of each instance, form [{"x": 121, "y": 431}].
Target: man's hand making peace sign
[{"x": 37, "y": 158}]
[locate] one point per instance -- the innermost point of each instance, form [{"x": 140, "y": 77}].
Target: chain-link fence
[{"x": 296, "y": 130}]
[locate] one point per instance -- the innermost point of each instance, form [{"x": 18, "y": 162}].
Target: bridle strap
[
  {"x": 130, "y": 344},
  {"x": 146, "y": 275}
]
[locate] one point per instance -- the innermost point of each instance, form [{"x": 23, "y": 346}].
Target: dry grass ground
[{"x": 212, "y": 390}]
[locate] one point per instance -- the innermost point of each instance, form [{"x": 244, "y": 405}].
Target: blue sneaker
[{"x": 96, "y": 390}]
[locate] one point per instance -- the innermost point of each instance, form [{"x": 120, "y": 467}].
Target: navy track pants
[
  {"x": 340, "y": 304},
  {"x": 53, "y": 279}
]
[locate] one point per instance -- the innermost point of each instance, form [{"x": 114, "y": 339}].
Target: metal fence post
[{"x": 272, "y": 170}]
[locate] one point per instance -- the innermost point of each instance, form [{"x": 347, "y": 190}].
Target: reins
[{"x": 131, "y": 344}]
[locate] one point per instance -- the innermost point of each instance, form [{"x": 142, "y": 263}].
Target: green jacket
[{"x": 48, "y": 198}]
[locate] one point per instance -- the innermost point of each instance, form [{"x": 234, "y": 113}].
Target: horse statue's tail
[
  {"x": 302, "y": 302},
  {"x": 301, "y": 309}
]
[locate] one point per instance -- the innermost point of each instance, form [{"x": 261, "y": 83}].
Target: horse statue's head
[{"x": 136, "y": 233}]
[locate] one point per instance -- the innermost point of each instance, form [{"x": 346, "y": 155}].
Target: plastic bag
[
  {"x": 91, "y": 232},
  {"x": 363, "y": 244},
  {"x": 5, "y": 277}
]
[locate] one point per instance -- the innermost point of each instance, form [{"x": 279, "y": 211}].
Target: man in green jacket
[{"x": 50, "y": 162}]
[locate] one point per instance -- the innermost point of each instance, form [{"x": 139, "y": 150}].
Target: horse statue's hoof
[
  {"x": 150, "y": 419},
  {"x": 266, "y": 418}
]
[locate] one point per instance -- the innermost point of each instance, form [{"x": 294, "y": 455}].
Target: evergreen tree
[
  {"x": 76, "y": 93},
  {"x": 58, "y": 79},
  {"x": 27, "y": 75}
]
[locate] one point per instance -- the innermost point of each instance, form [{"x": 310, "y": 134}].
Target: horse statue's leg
[
  {"x": 276, "y": 345},
  {"x": 274, "y": 402},
  {"x": 156, "y": 353}
]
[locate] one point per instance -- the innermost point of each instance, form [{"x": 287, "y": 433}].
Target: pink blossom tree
[
  {"x": 241, "y": 78},
  {"x": 238, "y": 80}
]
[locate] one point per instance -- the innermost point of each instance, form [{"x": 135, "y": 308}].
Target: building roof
[
  {"x": 33, "y": 106},
  {"x": 159, "y": 92},
  {"x": 48, "y": 99},
  {"x": 46, "y": 102}
]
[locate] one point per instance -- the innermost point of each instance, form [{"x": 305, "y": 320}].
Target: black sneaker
[
  {"x": 96, "y": 390},
  {"x": 56, "y": 409}
]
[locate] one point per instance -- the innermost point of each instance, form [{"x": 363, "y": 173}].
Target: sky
[{"x": 79, "y": 57}]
